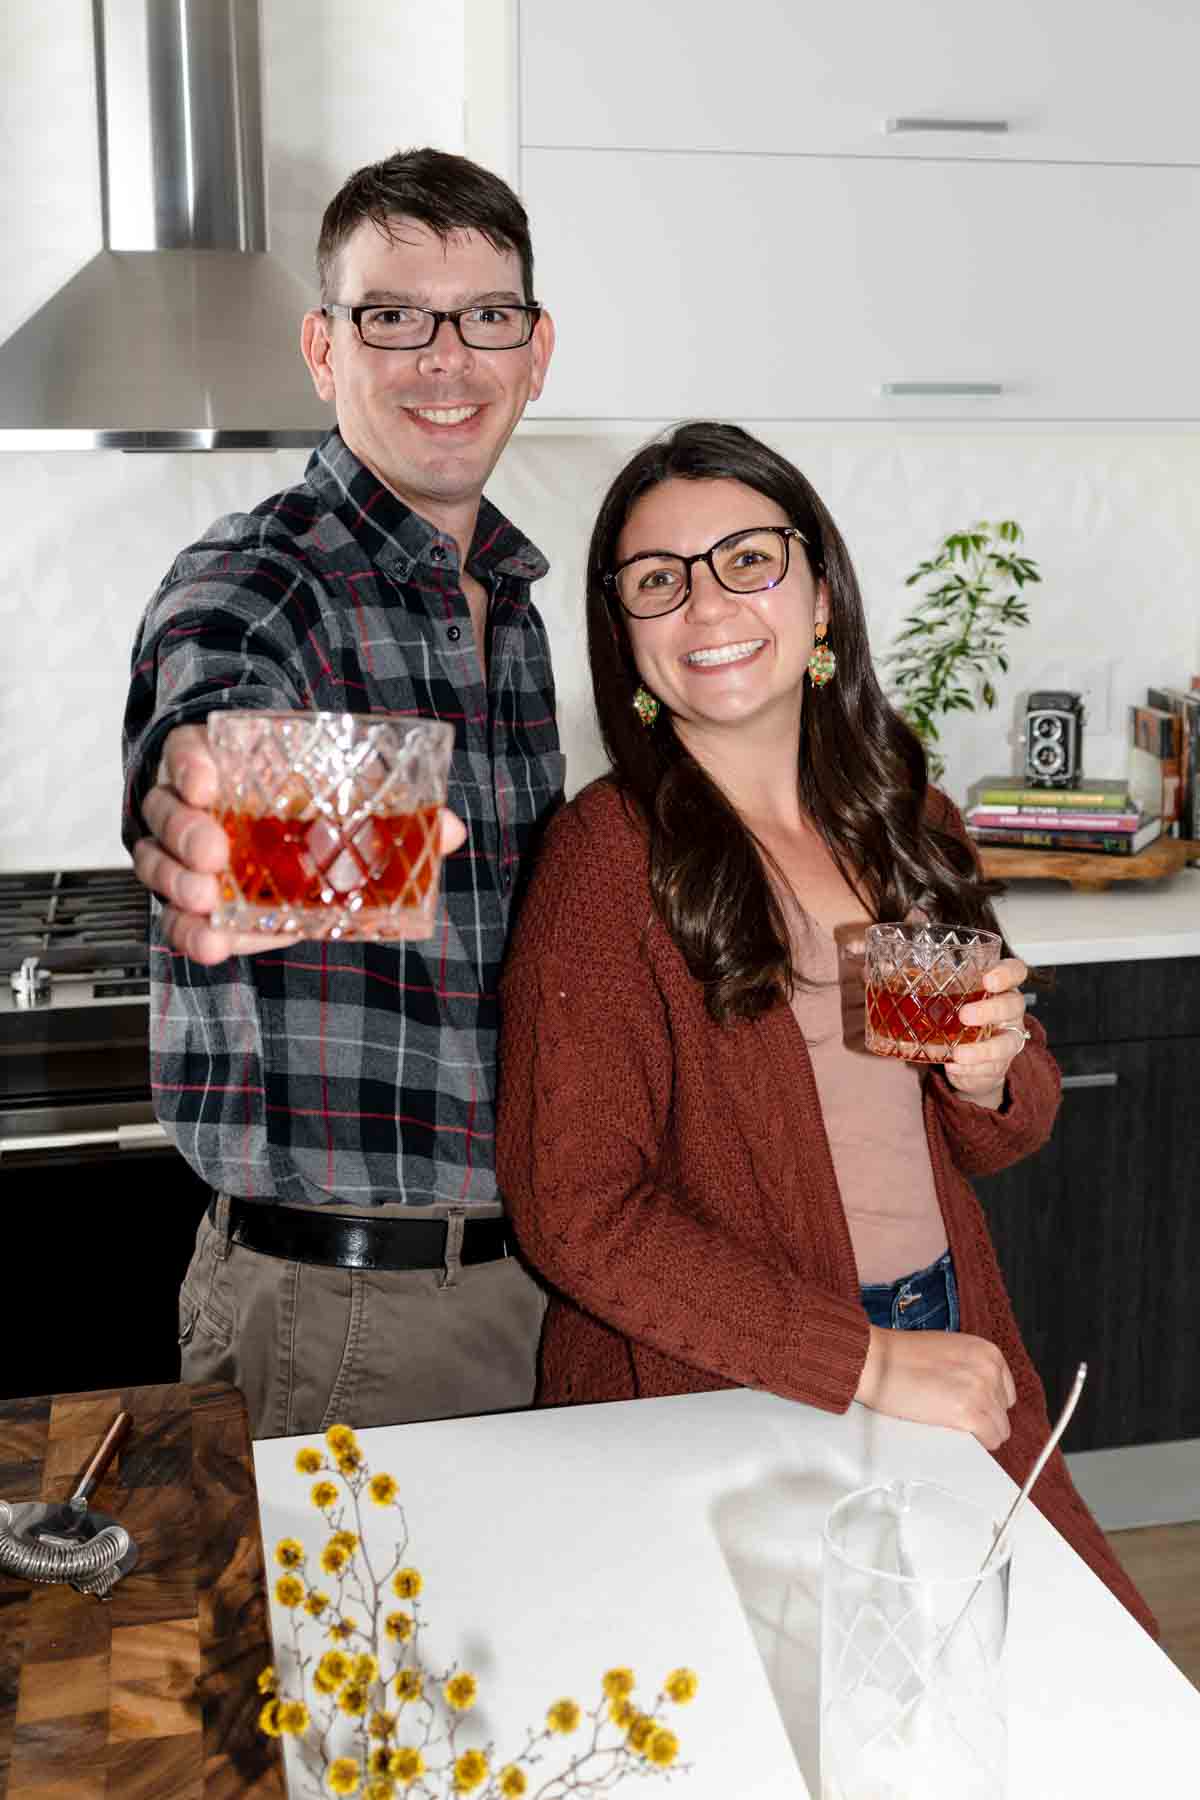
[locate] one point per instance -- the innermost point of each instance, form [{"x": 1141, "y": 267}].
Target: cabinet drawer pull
[
  {"x": 1107, "y": 1079},
  {"x": 899, "y": 390},
  {"x": 973, "y": 127}
]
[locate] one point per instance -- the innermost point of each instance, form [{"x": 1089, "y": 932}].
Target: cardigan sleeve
[
  {"x": 585, "y": 1096},
  {"x": 983, "y": 1140}
]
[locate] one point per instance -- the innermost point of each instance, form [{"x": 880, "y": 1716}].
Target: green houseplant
[{"x": 951, "y": 645}]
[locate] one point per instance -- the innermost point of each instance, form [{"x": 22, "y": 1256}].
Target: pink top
[{"x": 872, "y": 1111}]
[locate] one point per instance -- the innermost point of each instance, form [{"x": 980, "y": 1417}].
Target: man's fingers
[
  {"x": 454, "y": 832},
  {"x": 184, "y": 888},
  {"x": 191, "y": 837},
  {"x": 196, "y": 939},
  {"x": 187, "y": 765}
]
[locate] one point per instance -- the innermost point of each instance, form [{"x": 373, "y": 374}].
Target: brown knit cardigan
[{"x": 672, "y": 1181}]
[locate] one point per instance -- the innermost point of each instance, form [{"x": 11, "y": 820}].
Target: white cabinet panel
[
  {"x": 1072, "y": 79},
  {"x": 798, "y": 287}
]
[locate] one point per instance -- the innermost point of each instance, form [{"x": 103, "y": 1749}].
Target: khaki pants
[{"x": 310, "y": 1346}]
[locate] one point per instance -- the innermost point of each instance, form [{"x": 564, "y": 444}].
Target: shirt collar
[{"x": 397, "y": 538}]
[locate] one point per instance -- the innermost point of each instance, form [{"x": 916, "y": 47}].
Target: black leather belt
[{"x": 309, "y": 1234}]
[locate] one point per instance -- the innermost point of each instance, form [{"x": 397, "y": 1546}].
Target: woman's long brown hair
[{"x": 861, "y": 770}]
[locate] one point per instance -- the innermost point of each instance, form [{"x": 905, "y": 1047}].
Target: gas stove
[
  {"x": 74, "y": 1012},
  {"x": 73, "y": 938}
]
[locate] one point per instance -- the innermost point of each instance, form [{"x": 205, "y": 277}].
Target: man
[{"x": 338, "y": 1097}]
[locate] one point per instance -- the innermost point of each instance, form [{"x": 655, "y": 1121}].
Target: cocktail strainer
[{"x": 53, "y": 1541}]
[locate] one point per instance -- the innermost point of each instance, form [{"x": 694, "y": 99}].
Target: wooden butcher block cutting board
[{"x": 152, "y": 1694}]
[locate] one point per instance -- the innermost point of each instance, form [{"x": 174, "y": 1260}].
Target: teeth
[
  {"x": 725, "y": 653},
  {"x": 445, "y": 415}
]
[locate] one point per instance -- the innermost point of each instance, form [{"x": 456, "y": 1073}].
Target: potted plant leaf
[{"x": 951, "y": 645}]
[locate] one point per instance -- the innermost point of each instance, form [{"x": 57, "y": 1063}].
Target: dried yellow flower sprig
[{"x": 396, "y": 1721}]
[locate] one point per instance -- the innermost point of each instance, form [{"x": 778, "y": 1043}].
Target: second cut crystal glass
[
  {"x": 912, "y": 1648},
  {"x": 918, "y": 977}
]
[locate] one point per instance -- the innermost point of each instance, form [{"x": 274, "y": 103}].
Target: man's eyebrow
[{"x": 396, "y": 297}]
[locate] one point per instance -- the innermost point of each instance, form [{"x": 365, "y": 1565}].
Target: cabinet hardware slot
[
  {"x": 1108, "y": 1078},
  {"x": 984, "y": 390},
  {"x": 971, "y": 127}
]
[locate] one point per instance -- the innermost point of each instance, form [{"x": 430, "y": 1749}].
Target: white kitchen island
[{"x": 556, "y": 1544}]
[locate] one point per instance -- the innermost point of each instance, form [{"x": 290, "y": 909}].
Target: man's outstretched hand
[{"x": 187, "y": 850}]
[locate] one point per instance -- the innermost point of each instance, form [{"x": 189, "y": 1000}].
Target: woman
[{"x": 719, "y": 1184}]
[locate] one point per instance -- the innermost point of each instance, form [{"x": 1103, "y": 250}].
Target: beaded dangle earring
[
  {"x": 822, "y": 663},
  {"x": 645, "y": 706}
]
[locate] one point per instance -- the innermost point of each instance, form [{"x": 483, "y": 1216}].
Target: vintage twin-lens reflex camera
[{"x": 1053, "y": 740}]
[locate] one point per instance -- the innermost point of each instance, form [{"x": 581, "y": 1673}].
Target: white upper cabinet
[
  {"x": 772, "y": 287},
  {"x": 1027, "y": 80}
]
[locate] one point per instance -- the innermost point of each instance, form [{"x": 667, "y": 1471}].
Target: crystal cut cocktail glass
[
  {"x": 917, "y": 978},
  {"x": 333, "y": 820},
  {"x": 912, "y": 1645}
]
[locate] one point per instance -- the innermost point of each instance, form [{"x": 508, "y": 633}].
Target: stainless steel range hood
[{"x": 183, "y": 332}]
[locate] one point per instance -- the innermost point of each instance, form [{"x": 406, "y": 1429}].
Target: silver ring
[{"x": 1022, "y": 1031}]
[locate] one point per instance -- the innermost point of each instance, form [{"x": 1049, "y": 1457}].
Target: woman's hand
[
  {"x": 939, "y": 1378},
  {"x": 980, "y": 1070}
]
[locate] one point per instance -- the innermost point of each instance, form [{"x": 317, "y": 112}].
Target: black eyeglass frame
[
  {"x": 786, "y": 532},
  {"x": 531, "y": 308}
]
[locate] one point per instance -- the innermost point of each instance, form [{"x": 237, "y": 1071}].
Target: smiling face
[
  {"x": 722, "y": 662},
  {"x": 430, "y": 423}
]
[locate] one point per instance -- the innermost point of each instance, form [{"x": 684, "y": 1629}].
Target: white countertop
[
  {"x": 556, "y": 1544},
  {"x": 1047, "y": 922}
]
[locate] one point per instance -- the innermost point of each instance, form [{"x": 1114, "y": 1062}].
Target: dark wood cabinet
[{"x": 1099, "y": 1233}]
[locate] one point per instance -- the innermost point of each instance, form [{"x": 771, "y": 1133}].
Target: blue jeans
[{"x": 926, "y": 1301}]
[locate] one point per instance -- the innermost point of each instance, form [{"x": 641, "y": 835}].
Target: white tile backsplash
[
  {"x": 85, "y": 538},
  {"x": 1110, "y": 519}
]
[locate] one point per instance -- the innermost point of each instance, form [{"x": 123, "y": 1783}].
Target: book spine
[
  {"x": 1060, "y": 799},
  {"x": 1050, "y": 820},
  {"x": 1110, "y": 843},
  {"x": 1186, "y": 705},
  {"x": 1156, "y": 731}
]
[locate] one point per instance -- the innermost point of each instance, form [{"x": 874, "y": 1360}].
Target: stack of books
[
  {"x": 1164, "y": 759},
  {"x": 1100, "y": 816}
]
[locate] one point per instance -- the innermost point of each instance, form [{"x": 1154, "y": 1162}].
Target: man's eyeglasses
[
  {"x": 655, "y": 582},
  {"x": 500, "y": 327}
]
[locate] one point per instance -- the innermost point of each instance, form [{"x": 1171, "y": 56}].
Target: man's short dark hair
[{"x": 443, "y": 192}]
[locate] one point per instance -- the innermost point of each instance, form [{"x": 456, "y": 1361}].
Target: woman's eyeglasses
[{"x": 655, "y": 582}]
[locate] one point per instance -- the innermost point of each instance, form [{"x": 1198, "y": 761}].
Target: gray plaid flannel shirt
[{"x": 360, "y": 1073}]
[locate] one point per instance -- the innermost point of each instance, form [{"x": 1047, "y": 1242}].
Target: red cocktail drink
[
  {"x": 333, "y": 821},
  {"x": 918, "y": 978}
]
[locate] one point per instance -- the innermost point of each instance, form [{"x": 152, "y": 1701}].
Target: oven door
[{"x": 99, "y": 1222}]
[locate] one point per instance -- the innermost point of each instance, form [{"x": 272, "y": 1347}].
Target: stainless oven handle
[{"x": 119, "y": 1137}]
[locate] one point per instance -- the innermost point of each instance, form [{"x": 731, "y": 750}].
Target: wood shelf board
[{"x": 1088, "y": 869}]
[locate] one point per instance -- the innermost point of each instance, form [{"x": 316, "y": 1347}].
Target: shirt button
[
  {"x": 438, "y": 553},
  {"x": 453, "y": 632},
  {"x": 506, "y": 879}
]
